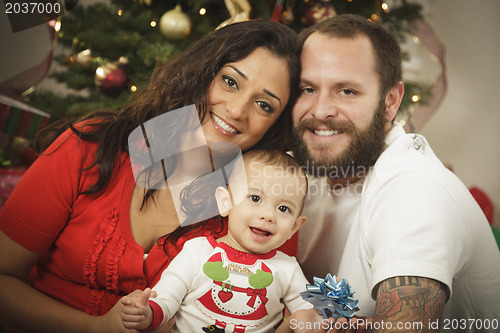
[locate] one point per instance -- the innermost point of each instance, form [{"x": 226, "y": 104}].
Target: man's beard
[{"x": 355, "y": 160}]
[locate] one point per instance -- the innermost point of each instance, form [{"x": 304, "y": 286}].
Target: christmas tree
[{"x": 111, "y": 48}]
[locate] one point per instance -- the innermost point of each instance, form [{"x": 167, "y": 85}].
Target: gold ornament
[
  {"x": 239, "y": 11},
  {"x": 175, "y": 24},
  {"x": 287, "y": 17},
  {"x": 83, "y": 58}
]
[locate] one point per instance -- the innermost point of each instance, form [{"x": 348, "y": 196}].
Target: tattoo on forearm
[{"x": 410, "y": 299}]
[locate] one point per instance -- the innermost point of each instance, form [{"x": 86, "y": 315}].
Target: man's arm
[{"x": 409, "y": 304}]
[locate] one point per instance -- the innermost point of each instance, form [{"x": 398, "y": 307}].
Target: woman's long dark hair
[{"x": 184, "y": 80}]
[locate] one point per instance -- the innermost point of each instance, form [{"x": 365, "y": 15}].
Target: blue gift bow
[{"x": 331, "y": 298}]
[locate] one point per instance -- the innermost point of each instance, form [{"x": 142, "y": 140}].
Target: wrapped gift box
[
  {"x": 19, "y": 124},
  {"x": 20, "y": 120}
]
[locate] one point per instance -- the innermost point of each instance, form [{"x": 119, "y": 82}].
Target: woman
[{"x": 77, "y": 227}]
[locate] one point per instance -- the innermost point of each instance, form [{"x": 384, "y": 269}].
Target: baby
[{"x": 239, "y": 282}]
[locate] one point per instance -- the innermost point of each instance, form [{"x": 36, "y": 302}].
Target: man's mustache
[{"x": 329, "y": 124}]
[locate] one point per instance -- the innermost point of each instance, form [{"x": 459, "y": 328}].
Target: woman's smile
[{"x": 222, "y": 126}]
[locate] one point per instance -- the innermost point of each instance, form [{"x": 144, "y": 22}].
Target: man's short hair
[{"x": 387, "y": 51}]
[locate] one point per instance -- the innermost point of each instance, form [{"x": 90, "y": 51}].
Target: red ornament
[
  {"x": 111, "y": 78},
  {"x": 484, "y": 202},
  {"x": 277, "y": 10}
]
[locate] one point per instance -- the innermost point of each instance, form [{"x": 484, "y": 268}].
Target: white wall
[{"x": 465, "y": 130}]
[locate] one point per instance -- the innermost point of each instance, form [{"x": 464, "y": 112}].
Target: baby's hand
[{"x": 136, "y": 313}]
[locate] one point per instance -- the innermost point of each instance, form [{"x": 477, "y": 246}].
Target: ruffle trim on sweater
[
  {"x": 113, "y": 265},
  {"x": 95, "y": 300},
  {"x": 95, "y": 251}
]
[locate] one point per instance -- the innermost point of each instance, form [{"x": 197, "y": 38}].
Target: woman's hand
[
  {"x": 136, "y": 313},
  {"x": 112, "y": 321}
]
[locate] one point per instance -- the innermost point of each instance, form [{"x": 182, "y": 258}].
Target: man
[{"x": 383, "y": 210}]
